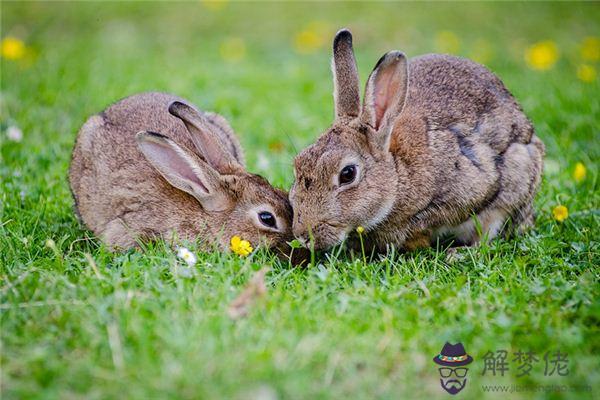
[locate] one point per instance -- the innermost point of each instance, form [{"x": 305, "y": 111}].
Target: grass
[{"x": 80, "y": 322}]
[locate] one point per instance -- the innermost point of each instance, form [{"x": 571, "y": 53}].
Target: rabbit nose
[
  {"x": 301, "y": 234},
  {"x": 298, "y": 227}
]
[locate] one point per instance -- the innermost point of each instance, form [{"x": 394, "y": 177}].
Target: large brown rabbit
[
  {"x": 183, "y": 176},
  {"x": 439, "y": 147}
]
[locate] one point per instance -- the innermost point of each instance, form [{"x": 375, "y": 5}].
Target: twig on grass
[
  {"x": 255, "y": 289},
  {"x": 92, "y": 263},
  {"x": 114, "y": 342}
]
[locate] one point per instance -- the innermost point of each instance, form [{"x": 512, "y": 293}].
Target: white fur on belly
[{"x": 490, "y": 221}]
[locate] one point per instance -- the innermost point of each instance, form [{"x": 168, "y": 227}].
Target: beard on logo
[{"x": 453, "y": 386}]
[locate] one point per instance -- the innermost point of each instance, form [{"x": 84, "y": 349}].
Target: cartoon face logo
[{"x": 453, "y": 375}]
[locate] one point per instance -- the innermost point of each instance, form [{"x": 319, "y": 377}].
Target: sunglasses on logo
[{"x": 459, "y": 372}]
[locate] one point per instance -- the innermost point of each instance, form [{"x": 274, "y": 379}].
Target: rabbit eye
[
  {"x": 348, "y": 174},
  {"x": 267, "y": 219}
]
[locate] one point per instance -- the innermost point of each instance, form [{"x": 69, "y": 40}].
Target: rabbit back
[
  {"x": 453, "y": 92},
  {"x": 486, "y": 157}
]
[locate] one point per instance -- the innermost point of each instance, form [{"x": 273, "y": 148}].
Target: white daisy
[
  {"x": 14, "y": 134},
  {"x": 263, "y": 162},
  {"x": 187, "y": 256}
]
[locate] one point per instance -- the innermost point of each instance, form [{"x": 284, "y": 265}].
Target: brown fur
[
  {"x": 123, "y": 198},
  {"x": 457, "y": 146}
]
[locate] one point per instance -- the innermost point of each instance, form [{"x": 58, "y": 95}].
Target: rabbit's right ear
[
  {"x": 385, "y": 95},
  {"x": 205, "y": 140},
  {"x": 346, "y": 88},
  {"x": 184, "y": 171}
]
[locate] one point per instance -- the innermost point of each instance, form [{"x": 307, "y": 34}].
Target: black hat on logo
[{"x": 453, "y": 355}]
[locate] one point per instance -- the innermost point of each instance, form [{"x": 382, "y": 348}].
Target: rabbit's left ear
[
  {"x": 385, "y": 95},
  {"x": 205, "y": 139},
  {"x": 184, "y": 171},
  {"x": 346, "y": 89}
]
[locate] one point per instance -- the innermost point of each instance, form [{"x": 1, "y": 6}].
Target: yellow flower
[
  {"x": 240, "y": 247},
  {"x": 447, "y": 42},
  {"x": 233, "y": 50},
  {"x": 586, "y": 73},
  {"x": 310, "y": 39},
  {"x": 542, "y": 55},
  {"x": 579, "y": 172},
  {"x": 276, "y": 146},
  {"x": 214, "y": 5},
  {"x": 560, "y": 213},
  {"x": 590, "y": 49},
  {"x": 12, "y": 48},
  {"x": 360, "y": 230}
]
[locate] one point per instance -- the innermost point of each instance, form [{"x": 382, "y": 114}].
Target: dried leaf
[{"x": 255, "y": 289}]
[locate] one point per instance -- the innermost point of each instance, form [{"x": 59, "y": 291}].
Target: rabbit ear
[
  {"x": 184, "y": 171},
  {"x": 346, "y": 90},
  {"x": 205, "y": 140},
  {"x": 385, "y": 94}
]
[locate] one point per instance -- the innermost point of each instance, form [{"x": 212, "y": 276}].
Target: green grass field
[{"x": 80, "y": 322}]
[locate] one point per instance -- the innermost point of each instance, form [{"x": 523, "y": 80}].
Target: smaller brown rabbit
[
  {"x": 151, "y": 166},
  {"x": 439, "y": 147}
]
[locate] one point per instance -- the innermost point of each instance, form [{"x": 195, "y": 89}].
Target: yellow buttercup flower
[
  {"x": 214, "y": 5},
  {"x": 542, "y": 56},
  {"x": 240, "y": 247},
  {"x": 312, "y": 38},
  {"x": 447, "y": 42},
  {"x": 579, "y": 172},
  {"x": 586, "y": 73},
  {"x": 276, "y": 147},
  {"x": 233, "y": 50},
  {"x": 360, "y": 230},
  {"x": 12, "y": 48},
  {"x": 590, "y": 49},
  {"x": 560, "y": 213}
]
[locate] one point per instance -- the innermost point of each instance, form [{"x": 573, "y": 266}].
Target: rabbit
[
  {"x": 439, "y": 149},
  {"x": 152, "y": 166}
]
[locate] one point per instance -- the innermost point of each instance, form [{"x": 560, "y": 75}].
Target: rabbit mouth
[{"x": 325, "y": 235}]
